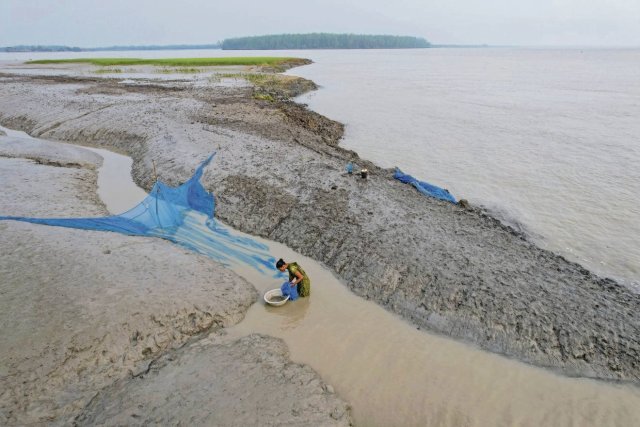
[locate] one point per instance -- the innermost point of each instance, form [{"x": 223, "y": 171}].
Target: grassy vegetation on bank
[
  {"x": 271, "y": 87},
  {"x": 257, "y": 79},
  {"x": 267, "y": 61},
  {"x": 108, "y": 71}
]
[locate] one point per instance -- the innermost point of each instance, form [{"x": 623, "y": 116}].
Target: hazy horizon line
[{"x": 432, "y": 45}]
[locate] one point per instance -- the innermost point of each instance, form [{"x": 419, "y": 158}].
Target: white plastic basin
[{"x": 274, "y": 297}]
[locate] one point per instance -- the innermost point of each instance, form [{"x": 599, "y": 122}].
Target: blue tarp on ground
[
  {"x": 183, "y": 215},
  {"x": 424, "y": 187}
]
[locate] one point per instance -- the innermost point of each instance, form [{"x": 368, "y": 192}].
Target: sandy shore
[
  {"x": 104, "y": 328},
  {"x": 279, "y": 175}
]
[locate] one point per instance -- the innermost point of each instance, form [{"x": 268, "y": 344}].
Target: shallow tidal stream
[{"x": 390, "y": 372}]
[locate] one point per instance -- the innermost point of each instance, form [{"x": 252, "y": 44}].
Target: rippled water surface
[{"x": 549, "y": 140}]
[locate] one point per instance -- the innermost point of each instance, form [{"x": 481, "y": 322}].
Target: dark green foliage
[{"x": 324, "y": 41}]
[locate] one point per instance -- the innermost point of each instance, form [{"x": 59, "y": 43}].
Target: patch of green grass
[
  {"x": 108, "y": 71},
  {"x": 264, "y": 97},
  {"x": 230, "y": 75},
  {"x": 256, "y": 79},
  {"x": 270, "y": 87},
  {"x": 183, "y": 70},
  {"x": 178, "y": 62},
  {"x": 265, "y": 79}
]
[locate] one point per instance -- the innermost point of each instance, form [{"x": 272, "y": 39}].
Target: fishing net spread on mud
[
  {"x": 424, "y": 187},
  {"x": 183, "y": 215}
]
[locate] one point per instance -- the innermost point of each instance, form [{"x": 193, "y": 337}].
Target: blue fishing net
[
  {"x": 424, "y": 187},
  {"x": 290, "y": 291},
  {"x": 183, "y": 215}
]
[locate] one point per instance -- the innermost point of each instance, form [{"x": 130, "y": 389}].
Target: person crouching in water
[{"x": 297, "y": 276}]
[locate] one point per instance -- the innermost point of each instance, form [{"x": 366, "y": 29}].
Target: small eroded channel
[{"x": 390, "y": 372}]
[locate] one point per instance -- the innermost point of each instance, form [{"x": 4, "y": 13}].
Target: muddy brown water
[
  {"x": 114, "y": 182},
  {"x": 393, "y": 374}
]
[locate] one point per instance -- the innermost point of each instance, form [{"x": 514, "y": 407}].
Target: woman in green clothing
[{"x": 297, "y": 276}]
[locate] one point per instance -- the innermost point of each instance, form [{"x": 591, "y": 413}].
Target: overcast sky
[{"x": 93, "y": 23}]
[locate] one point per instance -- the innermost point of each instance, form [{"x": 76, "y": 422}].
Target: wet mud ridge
[
  {"x": 103, "y": 328},
  {"x": 279, "y": 174}
]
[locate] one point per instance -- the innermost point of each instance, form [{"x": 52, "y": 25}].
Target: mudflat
[
  {"x": 85, "y": 314},
  {"x": 279, "y": 174}
]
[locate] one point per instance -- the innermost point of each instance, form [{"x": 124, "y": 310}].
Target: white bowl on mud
[{"x": 275, "y": 297}]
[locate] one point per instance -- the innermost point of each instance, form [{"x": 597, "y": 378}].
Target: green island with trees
[{"x": 324, "y": 41}]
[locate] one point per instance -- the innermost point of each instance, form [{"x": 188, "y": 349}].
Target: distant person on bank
[{"x": 297, "y": 277}]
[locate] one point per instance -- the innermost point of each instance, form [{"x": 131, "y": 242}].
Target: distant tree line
[
  {"x": 324, "y": 41},
  {"x": 159, "y": 47},
  {"x": 39, "y": 48},
  {"x": 271, "y": 42}
]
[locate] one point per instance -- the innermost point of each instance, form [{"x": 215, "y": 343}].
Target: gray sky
[{"x": 92, "y": 23}]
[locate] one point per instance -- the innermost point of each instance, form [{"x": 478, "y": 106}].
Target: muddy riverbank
[
  {"x": 105, "y": 328},
  {"x": 279, "y": 175}
]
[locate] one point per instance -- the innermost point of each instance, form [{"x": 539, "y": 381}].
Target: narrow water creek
[{"x": 390, "y": 372}]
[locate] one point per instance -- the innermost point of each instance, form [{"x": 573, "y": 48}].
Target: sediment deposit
[
  {"x": 86, "y": 312},
  {"x": 279, "y": 174}
]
